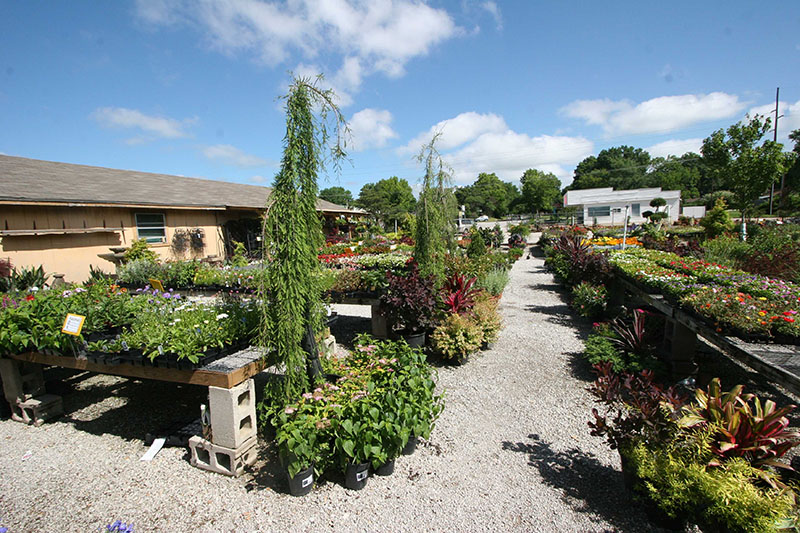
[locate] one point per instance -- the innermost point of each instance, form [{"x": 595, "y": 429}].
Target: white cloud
[
  {"x": 676, "y": 147},
  {"x": 509, "y": 154},
  {"x": 457, "y": 131},
  {"x": 120, "y": 117},
  {"x": 786, "y": 124},
  {"x": 371, "y": 128},
  {"x": 371, "y": 36},
  {"x": 232, "y": 156},
  {"x": 494, "y": 11},
  {"x": 662, "y": 114},
  {"x": 472, "y": 143}
]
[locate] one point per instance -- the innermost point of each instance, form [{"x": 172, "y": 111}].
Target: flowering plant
[{"x": 385, "y": 393}]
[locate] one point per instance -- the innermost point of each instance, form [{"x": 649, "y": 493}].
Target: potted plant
[
  {"x": 303, "y": 438},
  {"x": 409, "y": 303},
  {"x": 486, "y": 315},
  {"x": 356, "y": 444},
  {"x": 457, "y": 337}
]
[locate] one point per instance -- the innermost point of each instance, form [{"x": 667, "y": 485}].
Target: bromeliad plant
[
  {"x": 708, "y": 461},
  {"x": 742, "y": 426}
]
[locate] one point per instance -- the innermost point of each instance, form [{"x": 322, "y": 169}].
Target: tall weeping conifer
[
  {"x": 291, "y": 294},
  {"x": 436, "y": 211}
]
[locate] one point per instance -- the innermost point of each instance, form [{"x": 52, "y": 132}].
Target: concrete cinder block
[
  {"x": 233, "y": 414},
  {"x": 36, "y": 410},
  {"x": 222, "y": 460},
  {"x": 329, "y": 345},
  {"x": 21, "y": 381}
]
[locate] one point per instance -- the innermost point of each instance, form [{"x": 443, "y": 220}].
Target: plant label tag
[
  {"x": 361, "y": 476},
  {"x": 160, "y": 350},
  {"x": 307, "y": 481},
  {"x": 125, "y": 346},
  {"x": 73, "y": 324},
  {"x": 156, "y": 284}
]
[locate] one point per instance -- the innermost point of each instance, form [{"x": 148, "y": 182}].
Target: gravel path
[{"x": 511, "y": 452}]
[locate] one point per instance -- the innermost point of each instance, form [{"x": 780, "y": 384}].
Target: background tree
[
  {"x": 515, "y": 203},
  {"x": 389, "y": 199},
  {"x": 621, "y": 167},
  {"x": 675, "y": 174},
  {"x": 337, "y": 195},
  {"x": 745, "y": 167},
  {"x": 792, "y": 178},
  {"x": 436, "y": 211},
  {"x": 487, "y": 196},
  {"x": 291, "y": 294},
  {"x": 541, "y": 191}
]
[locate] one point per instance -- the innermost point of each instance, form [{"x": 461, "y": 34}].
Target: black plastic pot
[
  {"x": 410, "y": 446},
  {"x": 415, "y": 340},
  {"x": 355, "y": 476},
  {"x": 386, "y": 469},
  {"x": 302, "y": 483}
]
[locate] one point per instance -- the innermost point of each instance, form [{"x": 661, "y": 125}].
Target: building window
[
  {"x": 151, "y": 227},
  {"x": 602, "y": 211},
  {"x": 636, "y": 210}
]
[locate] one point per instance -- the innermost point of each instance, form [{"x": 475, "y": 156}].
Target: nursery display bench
[
  {"x": 780, "y": 363},
  {"x": 228, "y": 445}
]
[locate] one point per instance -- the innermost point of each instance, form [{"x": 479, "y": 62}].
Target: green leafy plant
[
  {"x": 457, "y": 337},
  {"x": 290, "y": 293},
  {"x": 239, "y": 258},
  {"x": 436, "y": 210},
  {"x": 139, "y": 271},
  {"x": 589, "y": 300},
  {"x": 717, "y": 221},
  {"x": 140, "y": 250},
  {"x": 726, "y": 498},
  {"x": 494, "y": 281},
  {"x": 477, "y": 245},
  {"x": 486, "y": 315}
]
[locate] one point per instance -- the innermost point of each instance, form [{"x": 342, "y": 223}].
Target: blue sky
[{"x": 189, "y": 87}]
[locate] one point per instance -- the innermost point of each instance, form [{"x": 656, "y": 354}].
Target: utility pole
[{"x": 775, "y": 139}]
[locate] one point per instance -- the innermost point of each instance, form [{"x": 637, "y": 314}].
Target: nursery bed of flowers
[
  {"x": 119, "y": 323},
  {"x": 746, "y": 304}
]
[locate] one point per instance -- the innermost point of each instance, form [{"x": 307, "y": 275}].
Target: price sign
[
  {"x": 73, "y": 324},
  {"x": 156, "y": 284}
]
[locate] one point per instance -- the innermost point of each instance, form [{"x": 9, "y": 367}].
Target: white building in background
[{"x": 606, "y": 207}]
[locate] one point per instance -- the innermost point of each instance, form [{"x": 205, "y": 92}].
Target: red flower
[
  {"x": 788, "y": 319},
  {"x": 30, "y": 297}
]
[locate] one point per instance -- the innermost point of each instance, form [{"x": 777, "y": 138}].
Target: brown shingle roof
[{"x": 32, "y": 180}]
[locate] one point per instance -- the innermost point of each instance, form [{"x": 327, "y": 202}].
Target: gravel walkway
[{"x": 511, "y": 452}]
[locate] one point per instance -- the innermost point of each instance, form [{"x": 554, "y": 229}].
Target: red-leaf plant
[
  {"x": 458, "y": 293},
  {"x": 637, "y": 408},
  {"x": 631, "y": 338},
  {"x": 409, "y": 301},
  {"x": 742, "y": 426}
]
